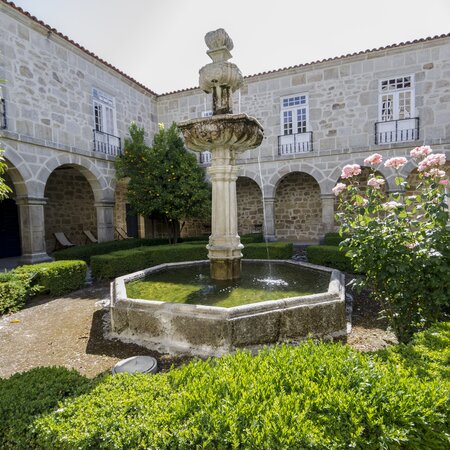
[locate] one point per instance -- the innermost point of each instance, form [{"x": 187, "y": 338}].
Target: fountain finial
[{"x": 220, "y": 77}]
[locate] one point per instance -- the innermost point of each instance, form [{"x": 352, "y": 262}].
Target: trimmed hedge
[
  {"x": 14, "y": 290},
  {"x": 84, "y": 252},
  {"x": 333, "y": 238},
  {"x": 56, "y": 278},
  {"x": 127, "y": 261},
  {"x": 330, "y": 256},
  {"x": 25, "y": 396},
  {"x": 315, "y": 395}
]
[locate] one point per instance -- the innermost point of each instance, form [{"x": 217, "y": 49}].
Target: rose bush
[{"x": 399, "y": 240}]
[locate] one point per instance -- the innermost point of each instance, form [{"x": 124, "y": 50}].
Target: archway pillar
[
  {"x": 327, "y": 212},
  {"x": 32, "y": 229},
  {"x": 269, "y": 219},
  {"x": 105, "y": 221}
]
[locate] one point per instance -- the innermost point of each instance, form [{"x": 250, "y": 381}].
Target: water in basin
[{"x": 260, "y": 281}]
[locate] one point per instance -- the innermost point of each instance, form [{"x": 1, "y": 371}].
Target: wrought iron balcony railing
[
  {"x": 107, "y": 143},
  {"x": 2, "y": 114},
  {"x": 295, "y": 143},
  {"x": 401, "y": 130}
]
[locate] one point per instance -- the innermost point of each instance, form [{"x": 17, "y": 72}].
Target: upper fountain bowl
[{"x": 237, "y": 132}]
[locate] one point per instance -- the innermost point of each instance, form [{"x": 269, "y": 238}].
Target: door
[{"x": 9, "y": 229}]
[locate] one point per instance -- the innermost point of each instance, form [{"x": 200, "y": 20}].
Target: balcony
[
  {"x": 107, "y": 143},
  {"x": 2, "y": 114},
  {"x": 290, "y": 144},
  {"x": 392, "y": 131}
]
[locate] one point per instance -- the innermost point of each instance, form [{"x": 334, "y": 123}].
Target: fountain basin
[
  {"x": 237, "y": 132},
  {"x": 213, "y": 330}
]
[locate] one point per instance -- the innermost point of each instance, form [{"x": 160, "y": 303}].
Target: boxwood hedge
[
  {"x": 330, "y": 256},
  {"x": 315, "y": 395},
  {"x": 127, "y": 261},
  {"x": 14, "y": 290}
]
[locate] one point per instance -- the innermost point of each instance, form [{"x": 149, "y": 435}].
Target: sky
[{"x": 161, "y": 44}]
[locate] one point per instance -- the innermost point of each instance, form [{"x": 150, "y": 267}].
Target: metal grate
[
  {"x": 295, "y": 143},
  {"x": 107, "y": 143},
  {"x": 401, "y": 130}
]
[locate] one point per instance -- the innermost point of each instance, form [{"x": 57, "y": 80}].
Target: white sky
[{"x": 160, "y": 42}]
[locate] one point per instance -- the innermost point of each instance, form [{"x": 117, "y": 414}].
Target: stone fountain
[{"x": 224, "y": 134}]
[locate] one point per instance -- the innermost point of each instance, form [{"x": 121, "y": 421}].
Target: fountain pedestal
[{"x": 224, "y": 134}]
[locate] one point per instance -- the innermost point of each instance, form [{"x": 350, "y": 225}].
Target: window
[
  {"x": 396, "y": 99},
  {"x": 205, "y": 157},
  {"x": 104, "y": 112},
  {"x": 396, "y": 111},
  {"x": 294, "y": 114},
  {"x": 207, "y": 113}
]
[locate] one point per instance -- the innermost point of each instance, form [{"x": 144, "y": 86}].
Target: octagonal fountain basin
[{"x": 181, "y": 310}]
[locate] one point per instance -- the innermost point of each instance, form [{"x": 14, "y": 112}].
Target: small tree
[
  {"x": 5, "y": 190},
  {"x": 400, "y": 242},
  {"x": 165, "y": 180}
]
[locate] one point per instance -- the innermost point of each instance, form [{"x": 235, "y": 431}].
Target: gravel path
[{"x": 68, "y": 331}]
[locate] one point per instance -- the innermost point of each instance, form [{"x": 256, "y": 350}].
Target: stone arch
[
  {"x": 101, "y": 186},
  {"x": 253, "y": 175},
  {"x": 18, "y": 172},
  {"x": 298, "y": 207},
  {"x": 70, "y": 205},
  {"x": 250, "y": 208},
  {"x": 272, "y": 185}
]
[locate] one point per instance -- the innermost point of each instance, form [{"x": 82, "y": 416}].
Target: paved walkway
[{"x": 66, "y": 331}]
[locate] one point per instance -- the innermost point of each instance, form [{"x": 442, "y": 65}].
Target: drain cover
[{"x": 136, "y": 364}]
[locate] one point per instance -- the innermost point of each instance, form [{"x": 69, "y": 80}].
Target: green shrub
[
  {"x": 58, "y": 277},
  {"x": 24, "y": 396},
  {"x": 14, "y": 290},
  {"x": 330, "y": 256},
  {"x": 253, "y": 238},
  {"x": 321, "y": 396},
  {"x": 127, "y": 261},
  {"x": 333, "y": 238},
  {"x": 84, "y": 252},
  {"x": 271, "y": 250}
]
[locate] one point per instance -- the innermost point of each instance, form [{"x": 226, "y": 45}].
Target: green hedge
[
  {"x": 25, "y": 396},
  {"x": 330, "y": 256},
  {"x": 56, "y": 278},
  {"x": 84, "y": 252},
  {"x": 14, "y": 290},
  {"x": 333, "y": 238},
  {"x": 321, "y": 396},
  {"x": 127, "y": 261}
]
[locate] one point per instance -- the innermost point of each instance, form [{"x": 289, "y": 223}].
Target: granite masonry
[{"x": 65, "y": 112}]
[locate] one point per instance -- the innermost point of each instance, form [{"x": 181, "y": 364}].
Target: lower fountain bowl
[{"x": 200, "y": 329}]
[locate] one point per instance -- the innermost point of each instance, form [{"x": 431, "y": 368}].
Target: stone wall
[
  {"x": 298, "y": 212},
  {"x": 249, "y": 206},
  {"x": 70, "y": 207}
]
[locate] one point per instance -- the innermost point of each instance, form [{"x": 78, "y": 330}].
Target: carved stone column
[
  {"x": 32, "y": 229},
  {"x": 224, "y": 243},
  {"x": 269, "y": 219},
  {"x": 105, "y": 221},
  {"x": 328, "y": 212}
]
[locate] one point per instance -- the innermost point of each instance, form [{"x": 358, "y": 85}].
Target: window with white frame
[
  {"x": 205, "y": 157},
  {"x": 396, "y": 98},
  {"x": 396, "y": 111},
  {"x": 104, "y": 112},
  {"x": 294, "y": 114},
  {"x": 295, "y": 137}
]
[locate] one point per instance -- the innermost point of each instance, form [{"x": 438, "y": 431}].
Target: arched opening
[
  {"x": 250, "y": 210},
  {"x": 70, "y": 206},
  {"x": 10, "y": 245},
  {"x": 298, "y": 208}
]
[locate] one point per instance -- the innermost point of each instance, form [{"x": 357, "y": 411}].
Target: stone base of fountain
[
  {"x": 225, "y": 269},
  {"x": 213, "y": 331}
]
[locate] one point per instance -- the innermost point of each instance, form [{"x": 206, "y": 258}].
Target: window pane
[
  {"x": 404, "y": 105},
  {"x": 387, "y": 107},
  {"x": 287, "y": 122}
]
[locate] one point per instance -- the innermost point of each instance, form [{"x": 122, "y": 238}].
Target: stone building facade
[{"x": 65, "y": 113}]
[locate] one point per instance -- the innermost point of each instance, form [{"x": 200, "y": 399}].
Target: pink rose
[
  {"x": 411, "y": 245},
  {"x": 438, "y": 159},
  {"x": 375, "y": 183},
  {"x": 396, "y": 162},
  {"x": 374, "y": 159},
  {"x": 421, "y": 152},
  {"x": 435, "y": 173},
  {"x": 339, "y": 188},
  {"x": 350, "y": 170},
  {"x": 444, "y": 182}
]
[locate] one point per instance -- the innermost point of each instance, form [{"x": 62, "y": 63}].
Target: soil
[{"x": 69, "y": 331}]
